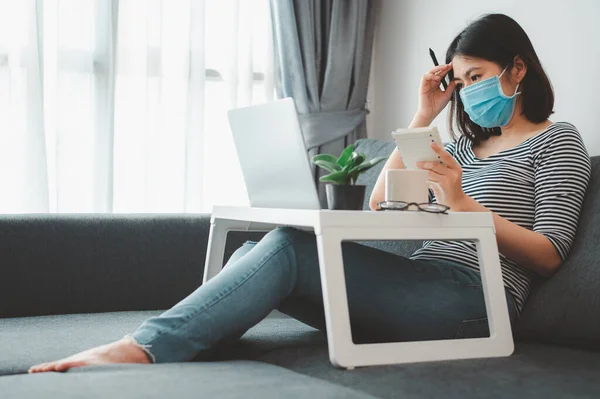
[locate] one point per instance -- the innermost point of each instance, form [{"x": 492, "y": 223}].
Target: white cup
[{"x": 407, "y": 185}]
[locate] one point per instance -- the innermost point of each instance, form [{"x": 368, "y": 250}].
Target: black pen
[{"x": 435, "y": 62}]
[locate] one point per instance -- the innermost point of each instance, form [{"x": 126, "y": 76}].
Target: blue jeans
[{"x": 390, "y": 298}]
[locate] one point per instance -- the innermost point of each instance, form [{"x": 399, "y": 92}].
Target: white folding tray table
[{"x": 332, "y": 227}]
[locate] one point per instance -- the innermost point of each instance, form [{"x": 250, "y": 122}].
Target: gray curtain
[{"x": 322, "y": 60}]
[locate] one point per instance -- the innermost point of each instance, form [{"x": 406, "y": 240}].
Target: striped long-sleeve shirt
[{"x": 539, "y": 184}]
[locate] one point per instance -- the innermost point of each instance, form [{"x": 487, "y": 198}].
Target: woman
[{"x": 510, "y": 159}]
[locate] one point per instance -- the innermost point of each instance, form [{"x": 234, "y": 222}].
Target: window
[{"x": 134, "y": 95}]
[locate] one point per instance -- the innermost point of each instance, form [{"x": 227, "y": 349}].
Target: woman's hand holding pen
[{"x": 432, "y": 99}]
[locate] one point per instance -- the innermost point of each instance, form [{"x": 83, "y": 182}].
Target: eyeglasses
[{"x": 402, "y": 206}]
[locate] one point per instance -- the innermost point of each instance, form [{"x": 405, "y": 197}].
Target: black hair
[{"x": 499, "y": 39}]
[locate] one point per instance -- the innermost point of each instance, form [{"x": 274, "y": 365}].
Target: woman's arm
[
  {"x": 543, "y": 249},
  {"x": 525, "y": 247}
]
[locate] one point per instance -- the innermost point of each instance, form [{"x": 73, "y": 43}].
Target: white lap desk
[{"x": 332, "y": 227}]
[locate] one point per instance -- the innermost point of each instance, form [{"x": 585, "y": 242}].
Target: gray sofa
[{"x": 69, "y": 282}]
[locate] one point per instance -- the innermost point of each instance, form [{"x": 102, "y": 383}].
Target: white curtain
[{"x": 120, "y": 105}]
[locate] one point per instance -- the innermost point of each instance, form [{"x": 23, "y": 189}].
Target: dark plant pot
[{"x": 347, "y": 197}]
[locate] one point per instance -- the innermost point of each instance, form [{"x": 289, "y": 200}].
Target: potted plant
[{"x": 342, "y": 190}]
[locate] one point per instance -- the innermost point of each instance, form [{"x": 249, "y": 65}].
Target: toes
[
  {"x": 55, "y": 366},
  {"x": 64, "y": 366},
  {"x": 36, "y": 368},
  {"x": 48, "y": 367},
  {"x": 39, "y": 368},
  {"x": 58, "y": 365}
]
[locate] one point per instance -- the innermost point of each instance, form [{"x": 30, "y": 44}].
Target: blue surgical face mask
[{"x": 486, "y": 104}]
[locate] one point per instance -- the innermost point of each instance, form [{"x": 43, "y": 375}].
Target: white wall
[{"x": 565, "y": 35}]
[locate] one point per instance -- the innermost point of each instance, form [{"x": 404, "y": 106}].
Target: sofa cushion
[
  {"x": 233, "y": 379},
  {"x": 26, "y": 341},
  {"x": 87, "y": 263},
  {"x": 534, "y": 371},
  {"x": 565, "y": 309}
]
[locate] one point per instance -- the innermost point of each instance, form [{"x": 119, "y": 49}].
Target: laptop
[{"x": 273, "y": 156}]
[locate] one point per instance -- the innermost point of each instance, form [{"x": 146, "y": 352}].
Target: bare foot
[{"x": 124, "y": 350}]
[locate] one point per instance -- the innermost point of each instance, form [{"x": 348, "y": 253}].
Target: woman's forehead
[
  {"x": 463, "y": 64},
  {"x": 463, "y": 61}
]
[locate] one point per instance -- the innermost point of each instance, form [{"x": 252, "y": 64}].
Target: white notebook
[{"x": 414, "y": 145}]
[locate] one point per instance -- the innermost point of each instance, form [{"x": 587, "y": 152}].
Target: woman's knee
[
  {"x": 240, "y": 252},
  {"x": 305, "y": 258}
]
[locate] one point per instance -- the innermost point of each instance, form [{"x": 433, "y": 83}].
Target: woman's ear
[{"x": 519, "y": 69}]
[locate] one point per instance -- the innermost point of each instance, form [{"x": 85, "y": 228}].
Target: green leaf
[
  {"x": 339, "y": 177},
  {"x": 330, "y": 166},
  {"x": 356, "y": 160},
  {"x": 324, "y": 157},
  {"x": 346, "y": 155}
]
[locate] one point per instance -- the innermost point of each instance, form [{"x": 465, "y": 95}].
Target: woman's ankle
[{"x": 144, "y": 355}]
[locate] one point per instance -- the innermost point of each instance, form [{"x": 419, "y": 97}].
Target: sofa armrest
[{"x": 83, "y": 263}]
